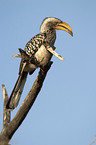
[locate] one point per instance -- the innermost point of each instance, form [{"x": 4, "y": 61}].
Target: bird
[{"x": 37, "y": 47}]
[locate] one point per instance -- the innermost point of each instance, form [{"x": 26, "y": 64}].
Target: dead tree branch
[{"x": 10, "y": 127}]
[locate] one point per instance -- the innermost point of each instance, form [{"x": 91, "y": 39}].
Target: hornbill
[{"x": 37, "y": 47}]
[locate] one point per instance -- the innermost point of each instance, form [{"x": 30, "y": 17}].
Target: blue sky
[{"x": 64, "y": 112}]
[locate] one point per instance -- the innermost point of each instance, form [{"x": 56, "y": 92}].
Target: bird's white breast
[{"x": 42, "y": 56}]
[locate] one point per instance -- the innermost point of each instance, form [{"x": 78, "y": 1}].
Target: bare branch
[
  {"x": 6, "y": 114},
  {"x": 93, "y": 141},
  {"x": 8, "y": 131}
]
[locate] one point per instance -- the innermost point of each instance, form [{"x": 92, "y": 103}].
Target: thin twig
[
  {"x": 6, "y": 114},
  {"x": 93, "y": 141}
]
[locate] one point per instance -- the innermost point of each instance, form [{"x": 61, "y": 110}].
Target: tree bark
[{"x": 10, "y": 127}]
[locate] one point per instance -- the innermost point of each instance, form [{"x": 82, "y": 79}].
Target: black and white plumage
[{"x": 37, "y": 47}]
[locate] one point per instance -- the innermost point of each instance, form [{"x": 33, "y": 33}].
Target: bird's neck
[{"x": 51, "y": 37}]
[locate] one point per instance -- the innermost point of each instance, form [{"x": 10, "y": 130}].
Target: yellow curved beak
[{"x": 64, "y": 26}]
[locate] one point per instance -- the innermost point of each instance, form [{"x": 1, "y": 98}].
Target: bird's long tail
[{"x": 17, "y": 91}]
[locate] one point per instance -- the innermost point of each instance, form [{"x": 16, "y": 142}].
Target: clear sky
[{"x": 65, "y": 111}]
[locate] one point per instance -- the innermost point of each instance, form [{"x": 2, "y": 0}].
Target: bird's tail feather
[{"x": 17, "y": 91}]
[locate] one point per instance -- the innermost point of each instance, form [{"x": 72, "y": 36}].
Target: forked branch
[{"x": 9, "y": 127}]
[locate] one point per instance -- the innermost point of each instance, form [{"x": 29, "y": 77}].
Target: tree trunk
[{"x": 10, "y": 127}]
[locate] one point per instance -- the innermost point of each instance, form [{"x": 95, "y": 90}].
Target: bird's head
[{"x": 50, "y": 23}]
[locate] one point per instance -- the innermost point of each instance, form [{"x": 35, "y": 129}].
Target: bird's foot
[
  {"x": 43, "y": 71},
  {"x": 46, "y": 67}
]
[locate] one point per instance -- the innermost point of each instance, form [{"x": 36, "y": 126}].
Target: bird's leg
[
  {"x": 46, "y": 67},
  {"x": 43, "y": 71}
]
